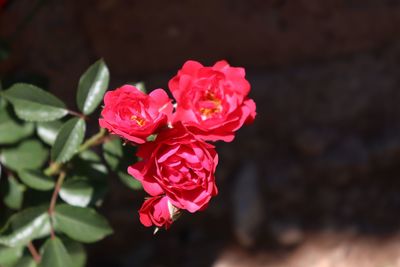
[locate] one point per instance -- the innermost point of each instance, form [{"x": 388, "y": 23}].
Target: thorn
[{"x": 156, "y": 230}]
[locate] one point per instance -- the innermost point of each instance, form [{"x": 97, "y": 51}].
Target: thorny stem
[
  {"x": 35, "y": 254},
  {"x": 53, "y": 201},
  {"x": 96, "y": 139},
  {"x": 56, "y": 168}
]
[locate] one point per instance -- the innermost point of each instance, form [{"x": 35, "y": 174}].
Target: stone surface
[{"x": 320, "y": 250}]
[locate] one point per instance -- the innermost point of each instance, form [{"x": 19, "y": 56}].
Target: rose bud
[
  {"x": 134, "y": 115},
  {"x": 156, "y": 211},
  {"x": 212, "y": 101}
]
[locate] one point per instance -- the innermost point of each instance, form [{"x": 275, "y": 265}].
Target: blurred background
[{"x": 315, "y": 181}]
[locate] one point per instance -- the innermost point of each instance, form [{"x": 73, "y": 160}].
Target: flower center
[
  {"x": 210, "y": 105},
  {"x": 139, "y": 120}
]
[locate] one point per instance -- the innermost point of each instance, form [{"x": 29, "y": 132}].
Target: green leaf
[
  {"x": 26, "y": 261},
  {"x": 116, "y": 155},
  {"x": 141, "y": 86},
  {"x": 10, "y": 255},
  {"x": 77, "y": 192},
  {"x": 93, "y": 162},
  {"x": 81, "y": 224},
  {"x": 15, "y": 194},
  {"x": 5, "y": 50},
  {"x": 113, "y": 153},
  {"x": 77, "y": 252},
  {"x": 47, "y": 131},
  {"x": 90, "y": 155},
  {"x": 55, "y": 254},
  {"x": 129, "y": 181},
  {"x": 12, "y": 131},
  {"x": 34, "y": 104},
  {"x": 92, "y": 86},
  {"x": 68, "y": 140},
  {"x": 100, "y": 191},
  {"x": 3, "y": 102},
  {"x": 151, "y": 138},
  {"x": 25, "y": 226},
  {"x": 88, "y": 166},
  {"x": 36, "y": 179},
  {"x": 30, "y": 154}
]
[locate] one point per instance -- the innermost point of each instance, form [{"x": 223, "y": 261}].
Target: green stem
[
  {"x": 96, "y": 139},
  {"x": 93, "y": 141},
  {"x": 54, "y": 168}
]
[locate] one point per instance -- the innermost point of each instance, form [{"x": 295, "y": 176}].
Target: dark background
[{"x": 313, "y": 182}]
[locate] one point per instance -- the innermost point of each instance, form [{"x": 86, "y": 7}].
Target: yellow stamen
[
  {"x": 207, "y": 112},
  {"x": 140, "y": 121}
]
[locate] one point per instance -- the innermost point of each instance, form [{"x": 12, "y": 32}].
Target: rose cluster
[{"x": 177, "y": 168}]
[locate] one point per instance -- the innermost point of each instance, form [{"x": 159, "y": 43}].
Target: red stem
[
  {"x": 35, "y": 254},
  {"x": 53, "y": 201}
]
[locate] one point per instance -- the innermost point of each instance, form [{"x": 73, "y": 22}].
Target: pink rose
[
  {"x": 134, "y": 115},
  {"x": 212, "y": 101},
  {"x": 180, "y": 166},
  {"x": 155, "y": 211}
]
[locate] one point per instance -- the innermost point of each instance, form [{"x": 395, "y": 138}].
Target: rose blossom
[
  {"x": 180, "y": 166},
  {"x": 134, "y": 115},
  {"x": 212, "y": 101},
  {"x": 155, "y": 211}
]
